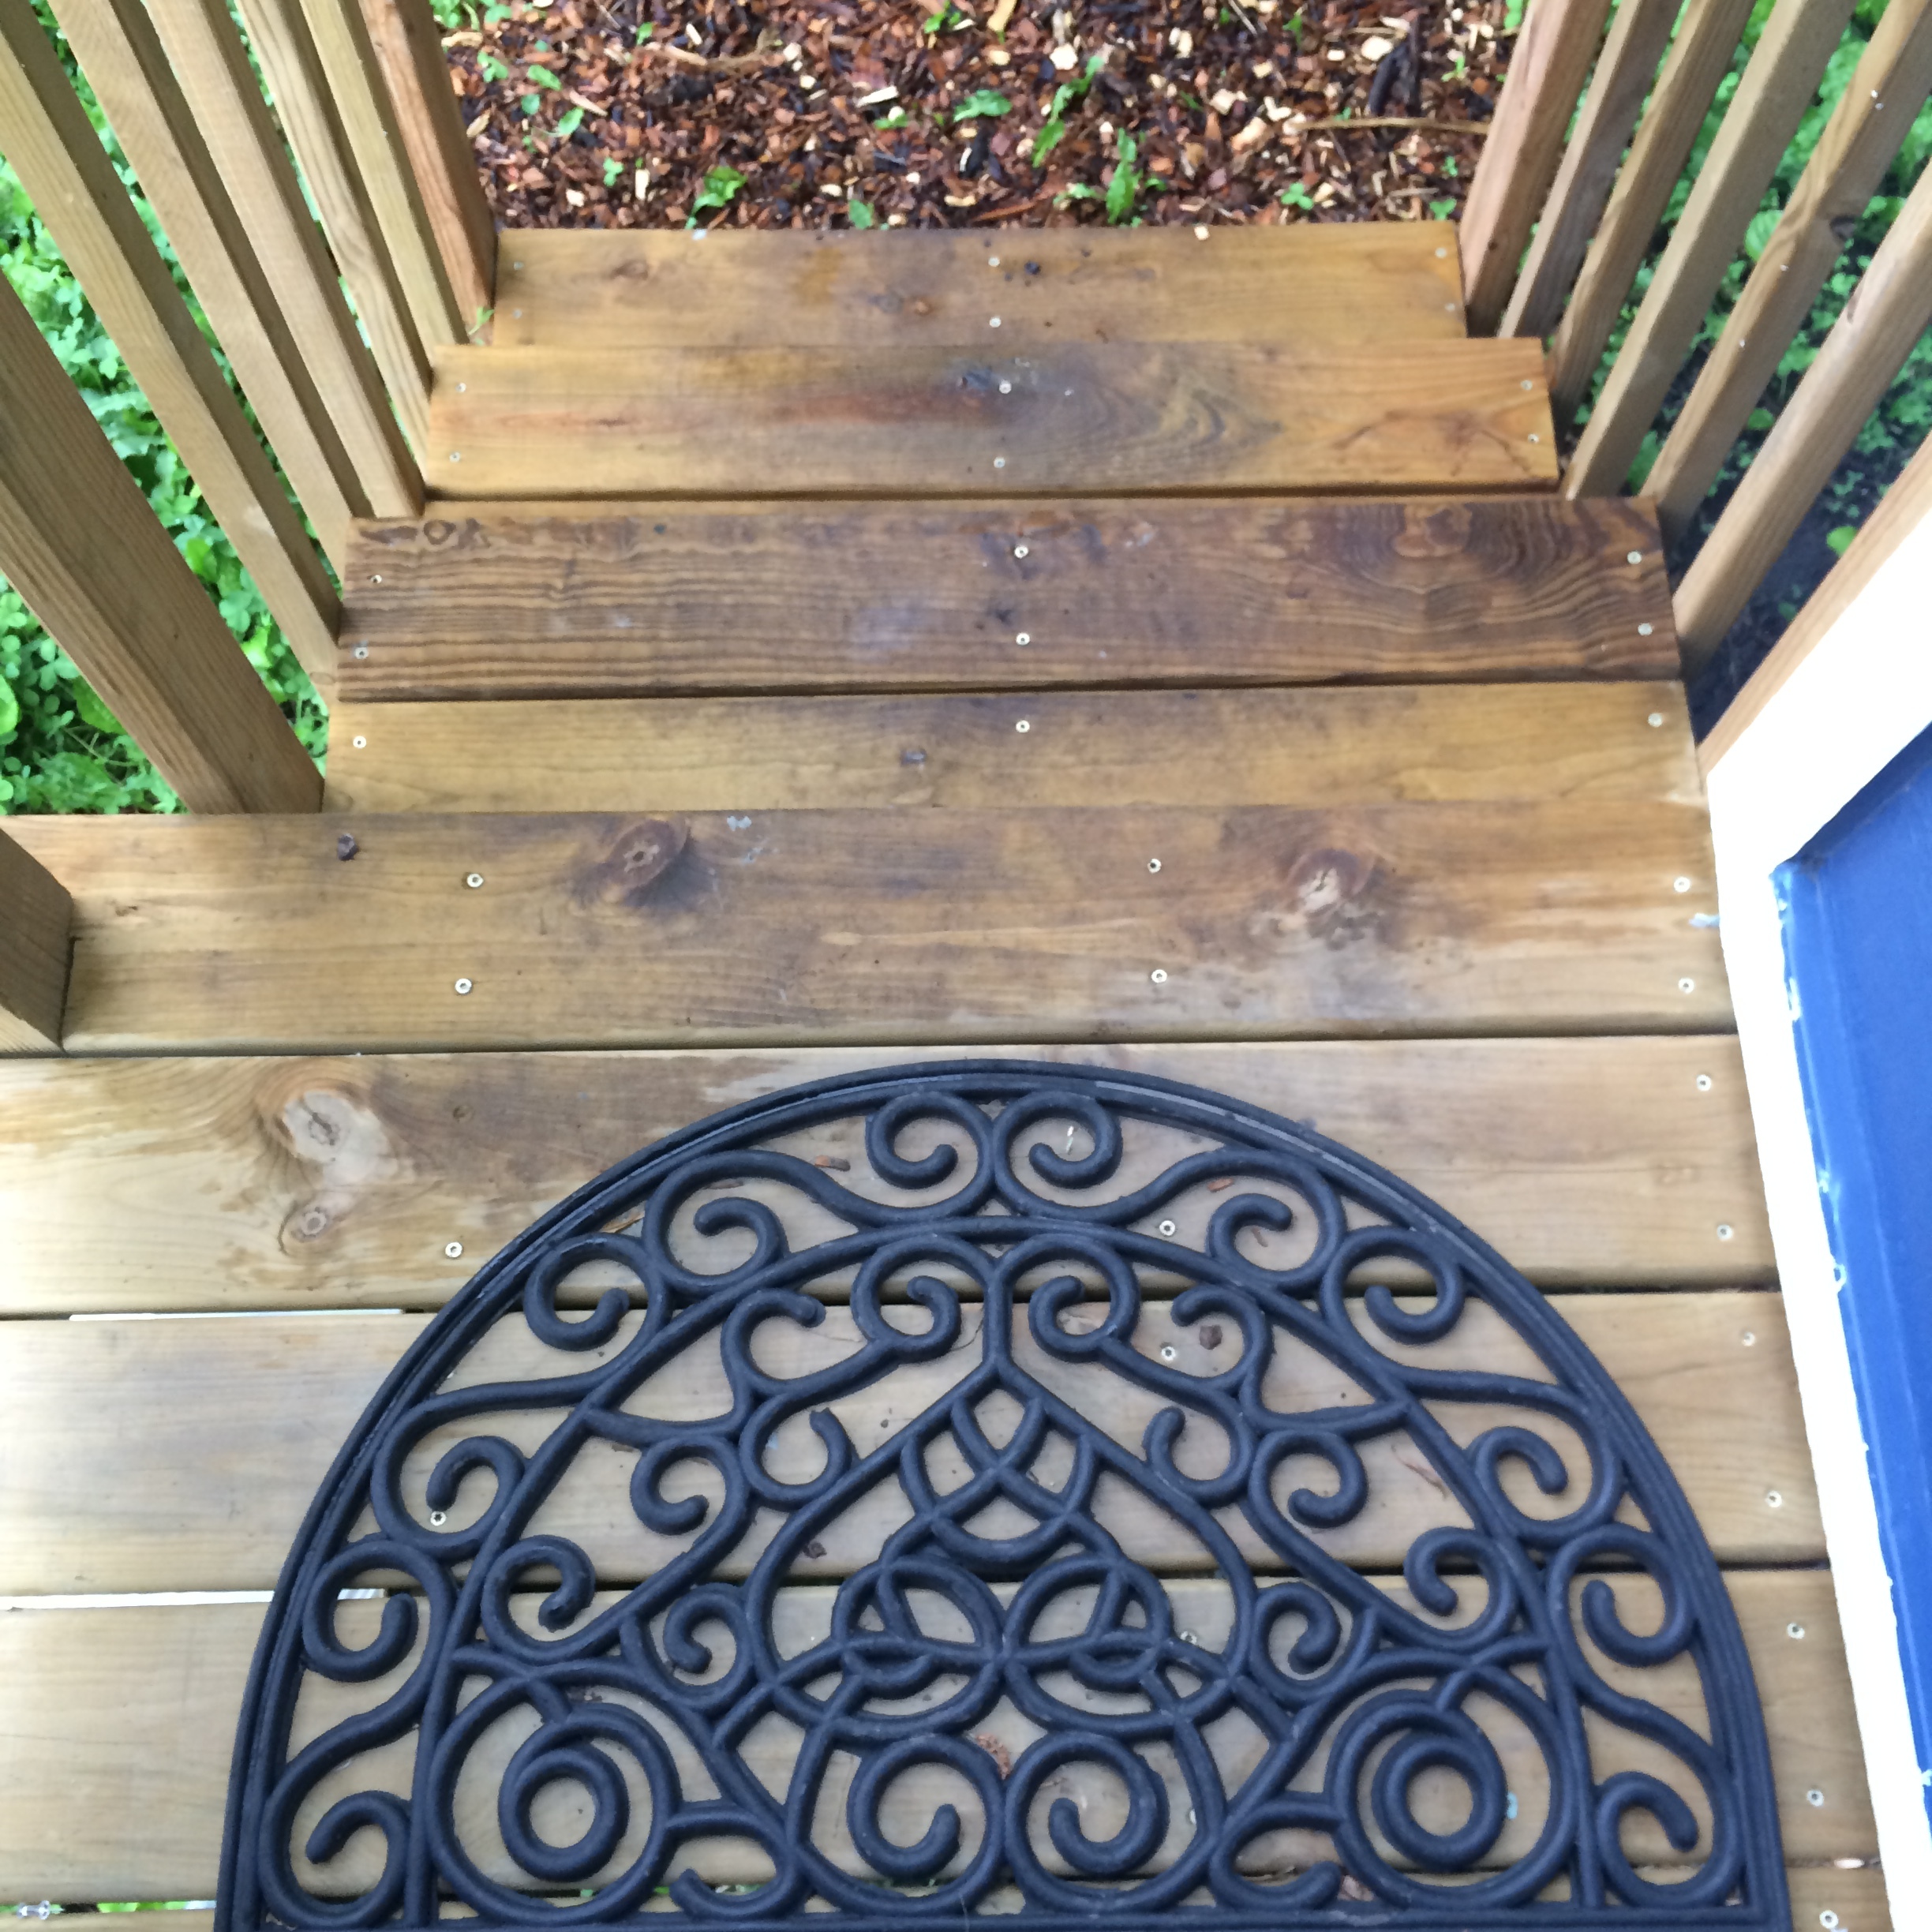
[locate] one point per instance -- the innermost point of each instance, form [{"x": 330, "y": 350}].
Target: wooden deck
[{"x": 639, "y": 806}]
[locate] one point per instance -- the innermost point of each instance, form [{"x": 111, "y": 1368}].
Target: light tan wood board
[
  {"x": 872, "y": 927},
  {"x": 1169, "y": 418},
  {"x": 35, "y": 921},
  {"x": 292, "y": 1184},
  {"x": 1202, "y": 747},
  {"x": 635, "y": 288},
  {"x": 116, "y": 1744},
  {"x": 542, "y": 600},
  {"x": 182, "y": 1454},
  {"x": 90, "y": 559}
]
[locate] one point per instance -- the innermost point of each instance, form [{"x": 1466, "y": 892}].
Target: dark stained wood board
[
  {"x": 552, "y": 601},
  {"x": 1142, "y": 418},
  {"x": 624, "y": 289},
  {"x": 255, "y": 935},
  {"x": 112, "y": 1796},
  {"x": 1370, "y": 745},
  {"x": 297, "y": 1184}
]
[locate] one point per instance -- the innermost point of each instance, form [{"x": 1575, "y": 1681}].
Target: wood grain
[
  {"x": 622, "y": 290},
  {"x": 1867, "y": 127},
  {"x": 221, "y": 88},
  {"x": 544, "y": 601},
  {"x": 122, "y": 58},
  {"x": 296, "y": 1184},
  {"x": 112, "y": 1796},
  {"x": 91, "y": 561},
  {"x": 1698, "y": 59},
  {"x": 1196, "y": 747},
  {"x": 874, "y": 927},
  {"x": 1087, "y": 417},
  {"x": 53, "y": 148},
  {"x": 1619, "y": 87},
  {"x": 1779, "y": 83},
  {"x": 408, "y": 44},
  {"x": 1548, "y": 64},
  {"x": 35, "y": 921},
  {"x": 1875, "y": 331},
  {"x": 198, "y": 1445}
]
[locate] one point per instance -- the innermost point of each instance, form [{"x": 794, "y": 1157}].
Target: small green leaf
[
  {"x": 1295, "y": 196},
  {"x": 570, "y": 124},
  {"x": 1051, "y": 134},
  {"x": 490, "y": 67},
  {"x": 895, "y": 119},
  {"x": 9, "y": 710},
  {"x": 529, "y": 103},
  {"x": 1840, "y": 539},
  {"x": 1442, "y": 210},
  {"x": 543, "y": 77},
  {"x": 643, "y": 33},
  {"x": 721, "y": 187},
  {"x": 92, "y": 711},
  {"x": 1759, "y": 419},
  {"x": 983, "y": 102},
  {"x": 861, "y": 214},
  {"x": 1125, "y": 188},
  {"x": 613, "y": 168}
]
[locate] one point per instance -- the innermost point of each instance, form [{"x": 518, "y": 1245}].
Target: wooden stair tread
[
  {"x": 130, "y": 1803},
  {"x": 624, "y": 289},
  {"x": 1365, "y": 745},
  {"x": 556, "y": 600},
  {"x": 1062, "y": 419},
  {"x": 179, "y": 1184},
  {"x": 252, "y": 935}
]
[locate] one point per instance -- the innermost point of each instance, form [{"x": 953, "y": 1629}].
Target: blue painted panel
[{"x": 1857, "y": 904}]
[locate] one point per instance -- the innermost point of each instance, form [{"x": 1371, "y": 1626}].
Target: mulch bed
[{"x": 829, "y": 113}]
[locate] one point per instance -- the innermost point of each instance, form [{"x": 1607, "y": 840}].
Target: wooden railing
[
  {"x": 375, "y": 135},
  {"x": 1555, "y": 234}
]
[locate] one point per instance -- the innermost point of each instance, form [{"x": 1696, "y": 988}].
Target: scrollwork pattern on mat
[{"x": 1100, "y": 1651}]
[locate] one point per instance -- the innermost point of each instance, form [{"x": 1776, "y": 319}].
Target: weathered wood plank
[
  {"x": 52, "y": 146},
  {"x": 181, "y": 1454},
  {"x": 36, "y": 921},
  {"x": 850, "y": 928},
  {"x": 299, "y": 1184},
  {"x": 1548, "y": 66},
  {"x": 1107, "y": 416},
  {"x": 111, "y": 1794},
  {"x": 1197, "y": 747},
  {"x": 540, "y": 600},
  {"x": 91, "y": 561},
  {"x": 633, "y": 288}
]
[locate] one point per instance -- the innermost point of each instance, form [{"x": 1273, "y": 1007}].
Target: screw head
[
  {"x": 1680, "y": 884},
  {"x": 1005, "y": 388},
  {"x": 992, "y": 261},
  {"x": 361, "y": 744},
  {"x": 1169, "y": 1229},
  {"x": 1527, "y": 385},
  {"x": 1703, "y": 1083},
  {"x": 1814, "y": 1797},
  {"x": 361, "y": 650},
  {"x": 1656, "y": 718},
  {"x": 465, "y": 986},
  {"x": 1644, "y": 630},
  {"x": 1534, "y": 437},
  {"x": 1636, "y": 556},
  {"x": 1776, "y": 1500},
  {"x": 1023, "y": 637},
  {"x": 1158, "y": 975},
  {"x": 1749, "y": 1337},
  {"x": 1442, "y": 254},
  {"x": 376, "y": 580},
  {"x": 455, "y": 455},
  {"x": 438, "y": 1518},
  {"x": 1170, "y": 1354},
  {"x": 1201, "y": 232},
  {"x": 473, "y": 881},
  {"x": 1793, "y": 1630},
  {"x": 1153, "y": 865},
  {"x": 993, "y": 321},
  {"x": 1828, "y": 1919},
  {"x": 1024, "y": 725},
  {"x": 454, "y": 1250},
  {"x": 1020, "y": 550},
  {"x": 999, "y": 462},
  {"x": 1725, "y": 1231},
  {"x": 1686, "y": 986}
]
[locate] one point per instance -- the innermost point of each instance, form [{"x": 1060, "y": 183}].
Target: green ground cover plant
[{"x": 62, "y": 748}]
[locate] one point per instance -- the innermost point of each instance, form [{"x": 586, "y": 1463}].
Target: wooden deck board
[
  {"x": 114, "y": 1796},
  {"x": 624, "y": 289},
  {"x": 1104, "y": 417},
  {"x": 291, "y": 1184},
  {"x": 199, "y": 1444},
  {"x": 847, "y": 927},
  {"x": 553, "y": 601}
]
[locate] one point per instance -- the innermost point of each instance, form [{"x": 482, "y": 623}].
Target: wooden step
[
  {"x": 255, "y": 935},
  {"x": 1097, "y": 417},
  {"x": 203, "y": 1184},
  {"x": 552, "y": 601},
  {"x": 111, "y": 1796},
  {"x": 191, "y": 1463},
  {"x": 626, "y": 288},
  {"x": 1364, "y": 746}
]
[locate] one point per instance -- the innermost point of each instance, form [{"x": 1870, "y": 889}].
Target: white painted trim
[{"x": 1858, "y": 699}]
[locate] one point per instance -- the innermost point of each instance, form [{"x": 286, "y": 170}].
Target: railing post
[
  {"x": 36, "y": 921},
  {"x": 79, "y": 543},
  {"x": 60, "y": 161}
]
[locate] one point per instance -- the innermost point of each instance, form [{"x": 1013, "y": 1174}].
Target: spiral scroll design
[{"x": 997, "y": 1707}]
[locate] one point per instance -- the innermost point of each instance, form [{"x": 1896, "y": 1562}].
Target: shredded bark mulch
[{"x": 829, "y": 113}]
